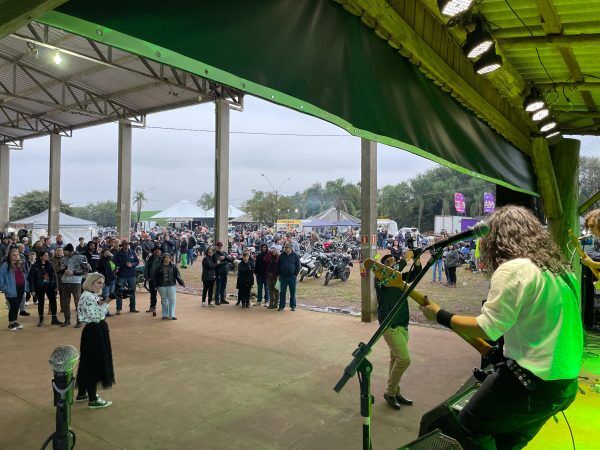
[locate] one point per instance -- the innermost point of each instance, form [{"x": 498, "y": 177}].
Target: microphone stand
[{"x": 363, "y": 366}]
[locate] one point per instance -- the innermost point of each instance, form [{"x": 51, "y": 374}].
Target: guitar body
[{"x": 582, "y": 255}]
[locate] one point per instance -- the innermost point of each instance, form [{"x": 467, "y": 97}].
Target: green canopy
[{"x": 312, "y": 56}]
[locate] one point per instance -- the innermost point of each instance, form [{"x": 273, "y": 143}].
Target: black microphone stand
[{"x": 363, "y": 366}]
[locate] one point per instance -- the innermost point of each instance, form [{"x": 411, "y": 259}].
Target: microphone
[
  {"x": 62, "y": 361},
  {"x": 480, "y": 229}
]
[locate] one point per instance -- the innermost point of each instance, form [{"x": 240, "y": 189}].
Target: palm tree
[{"x": 139, "y": 199}]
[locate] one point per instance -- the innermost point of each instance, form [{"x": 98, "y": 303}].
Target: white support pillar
[
  {"x": 54, "y": 186},
  {"x": 221, "y": 171},
  {"x": 368, "y": 225},
  {"x": 4, "y": 184},
  {"x": 124, "y": 180}
]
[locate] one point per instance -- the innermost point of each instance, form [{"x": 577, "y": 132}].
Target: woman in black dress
[{"x": 95, "y": 362}]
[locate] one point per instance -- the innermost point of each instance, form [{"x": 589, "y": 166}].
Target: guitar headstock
[{"x": 381, "y": 271}]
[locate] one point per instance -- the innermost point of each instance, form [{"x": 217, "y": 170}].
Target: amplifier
[
  {"x": 433, "y": 441},
  {"x": 444, "y": 417}
]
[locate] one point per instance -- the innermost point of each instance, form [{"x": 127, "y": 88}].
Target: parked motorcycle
[
  {"x": 338, "y": 268},
  {"x": 311, "y": 266}
]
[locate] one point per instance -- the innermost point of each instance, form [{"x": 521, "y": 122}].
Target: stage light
[
  {"x": 453, "y": 8},
  {"x": 547, "y": 125},
  {"x": 534, "y": 100},
  {"x": 551, "y": 135},
  {"x": 478, "y": 41},
  {"x": 540, "y": 114},
  {"x": 487, "y": 63},
  {"x": 57, "y": 59}
]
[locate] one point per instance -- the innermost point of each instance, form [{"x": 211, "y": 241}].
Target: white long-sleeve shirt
[
  {"x": 538, "y": 314},
  {"x": 89, "y": 310}
]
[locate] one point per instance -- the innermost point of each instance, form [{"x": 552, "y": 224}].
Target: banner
[
  {"x": 459, "y": 202},
  {"x": 489, "y": 203}
]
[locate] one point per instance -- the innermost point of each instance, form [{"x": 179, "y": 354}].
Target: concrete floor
[{"x": 227, "y": 378}]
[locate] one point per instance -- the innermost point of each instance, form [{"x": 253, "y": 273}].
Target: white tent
[
  {"x": 233, "y": 212},
  {"x": 71, "y": 228},
  {"x": 182, "y": 211}
]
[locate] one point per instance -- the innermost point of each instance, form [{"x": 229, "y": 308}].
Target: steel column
[
  {"x": 54, "y": 186},
  {"x": 124, "y": 180},
  {"x": 368, "y": 225},
  {"x": 221, "y": 170}
]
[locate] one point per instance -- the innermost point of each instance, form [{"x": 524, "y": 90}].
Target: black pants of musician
[
  {"x": 50, "y": 292},
  {"x": 504, "y": 415},
  {"x": 207, "y": 288}
]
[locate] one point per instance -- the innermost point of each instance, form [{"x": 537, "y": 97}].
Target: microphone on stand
[
  {"x": 62, "y": 361},
  {"x": 480, "y": 229}
]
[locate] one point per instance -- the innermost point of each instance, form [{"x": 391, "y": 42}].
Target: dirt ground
[{"x": 344, "y": 297}]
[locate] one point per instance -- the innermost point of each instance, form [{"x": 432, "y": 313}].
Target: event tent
[
  {"x": 244, "y": 218},
  {"x": 182, "y": 211},
  {"x": 71, "y": 228},
  {"x": 331, "y": 218},
  {"x": 233, "y": 212}
]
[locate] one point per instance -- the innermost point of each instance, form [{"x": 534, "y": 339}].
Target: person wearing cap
[
  {"x": 126, "y": 261},
  {"x": 222, "y": 259},
  {"x": 152, "y": 264},
  {"x": 289, "y": 267}
]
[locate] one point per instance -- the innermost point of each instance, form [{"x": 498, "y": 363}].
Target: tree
[
  {"x": 589, "y": 178},
  {"x": 266, "y": 207},
  {"x": 139, "y": 199},
  {"x": 103, "y": 213},
  {"x": 33, "y": 202},
  {"x": 207, "y": 201}
]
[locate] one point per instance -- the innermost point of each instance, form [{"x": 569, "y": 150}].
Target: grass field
[{"x": 465, "y": 299}]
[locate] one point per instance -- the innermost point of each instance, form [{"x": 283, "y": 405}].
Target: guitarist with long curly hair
[{"x": 534, "y": 303}]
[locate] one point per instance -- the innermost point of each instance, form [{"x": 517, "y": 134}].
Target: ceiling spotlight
[
  {"x": 478, "y": 41},
  {"x": 540, "y": 114},
  {"x": 452, "y": 8},
  {"x": 57, "y": 59},
  {"x": 534, "y": 100},
  {"x": 487, "y": 63},
  {"x": 551, "y": 135},
  {"x": 547, "y": 125}
]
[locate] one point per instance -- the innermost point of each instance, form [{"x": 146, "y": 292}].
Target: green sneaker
[{"x": 99, "y": 403}]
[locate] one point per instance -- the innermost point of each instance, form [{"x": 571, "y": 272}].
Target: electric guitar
[
  {"x": 392, "y": 278},
  {"x": 582, "y": 255}
]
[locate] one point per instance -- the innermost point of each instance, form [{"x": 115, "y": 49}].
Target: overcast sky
[{"x": 172, "y": 165}]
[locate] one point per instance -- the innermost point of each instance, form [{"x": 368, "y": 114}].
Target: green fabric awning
[{"x": 312, "y": 56}]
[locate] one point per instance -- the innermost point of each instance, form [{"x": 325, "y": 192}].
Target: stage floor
[{"x": 230, "y": 378}]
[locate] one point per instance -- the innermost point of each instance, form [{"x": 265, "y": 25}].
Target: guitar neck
[
  {"x": 581, "y": 253},
  {"x": 393, "y": 278}
]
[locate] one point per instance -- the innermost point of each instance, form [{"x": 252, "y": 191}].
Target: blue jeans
[
  {"x": 436, "y": 266},
  {"x": 191, "y": 257},
  {"x": 109, "y": 289},
  {"x": 286, "y": 282},
  {"x": 261, "y": 281},
  {"x": 168, "y": 297},
  {"x": 129, "y": 284},
  {"x": 221, "y": 286}
]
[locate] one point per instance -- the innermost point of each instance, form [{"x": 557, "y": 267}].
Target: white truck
[{"x": 451, "y": 224}]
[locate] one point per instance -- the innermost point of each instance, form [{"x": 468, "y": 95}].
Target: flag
[
  {"x": 459, "y": 202},
  {"x": 489, "y": 202}
]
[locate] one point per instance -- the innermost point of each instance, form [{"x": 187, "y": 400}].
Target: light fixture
[
  {"x": 452, "y": 8},
  {"x": 478, "y": 41},
  {"x": 487, "y": 63},
  {"x": 57, "y": 59},
  {"x": 551, "y": 135},
  {"x": 540, "y": 114},
  {"x": 534, "y": 100},
  {"x": 547, "y": 125}
]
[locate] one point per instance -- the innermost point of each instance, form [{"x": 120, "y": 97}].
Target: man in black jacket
[
  {"x": 223, "y": 260},
  {"x": 152, "y": 263},
  {"x": 289, "y": 267},
  {"x": 261, "y": 279},
  {"x": 396, "y": 336}
]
